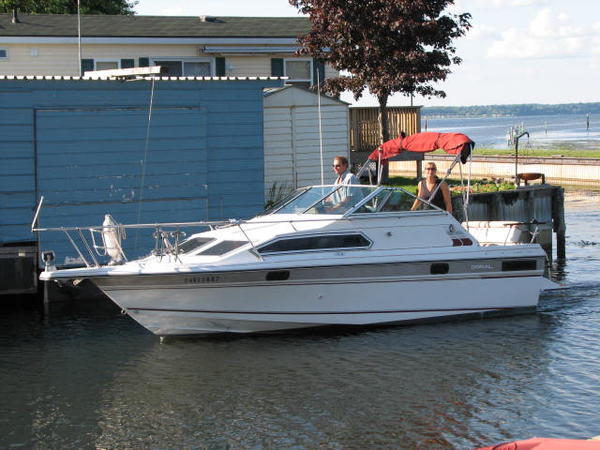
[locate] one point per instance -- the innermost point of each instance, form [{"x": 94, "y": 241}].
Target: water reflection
[{"x": 92, "y": 378}]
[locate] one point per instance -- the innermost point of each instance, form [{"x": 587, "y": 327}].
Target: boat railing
[{"x": 90, "y": 242}]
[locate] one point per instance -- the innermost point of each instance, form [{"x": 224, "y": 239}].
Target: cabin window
[
  {"x": 193, "y": 244},
  {"x": 311, "y": 243},
  {"x": 524, "y": 264},
  {"x": 3, "y": 53},
  {"x": 100, "y": 64},
  {"x": 222, "y": 247},
  {"x": 298, "y": 71},
  {"x": 198, "y": 67}
]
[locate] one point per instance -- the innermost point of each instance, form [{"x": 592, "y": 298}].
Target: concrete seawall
[{"x": 557, "y": 170}]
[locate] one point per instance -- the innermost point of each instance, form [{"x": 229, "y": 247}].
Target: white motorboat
[{"x": 329, "y": 255}]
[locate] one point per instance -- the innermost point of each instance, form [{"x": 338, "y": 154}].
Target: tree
[
  {"x": 387, "y": 46},
  {"x": 69, "y": 6}
]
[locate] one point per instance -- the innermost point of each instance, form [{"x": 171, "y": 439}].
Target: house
[{"x": 48, "y": 44}]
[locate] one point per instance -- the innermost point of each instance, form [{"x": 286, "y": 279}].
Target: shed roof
[
  {"x": 297, "y": 96},
  {"x": 65, "y": 25}
]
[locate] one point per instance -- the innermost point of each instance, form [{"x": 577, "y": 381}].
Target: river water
[
  {"x": 84, "y": 376},
  {"x": 576, "y": 131}
]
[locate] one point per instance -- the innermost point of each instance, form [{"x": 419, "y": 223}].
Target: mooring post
[{"x": 558, "y": 221}]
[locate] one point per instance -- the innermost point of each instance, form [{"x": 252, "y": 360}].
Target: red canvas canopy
[{"x": 452, "y": 143}]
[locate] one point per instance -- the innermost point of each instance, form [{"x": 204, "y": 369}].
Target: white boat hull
[{"x": 262, "y": 308}]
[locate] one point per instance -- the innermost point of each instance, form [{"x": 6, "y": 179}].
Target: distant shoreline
[{"x": 495, "y": 111}]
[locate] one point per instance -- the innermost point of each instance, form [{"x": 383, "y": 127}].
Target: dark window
[
  {"x": 330, "y": 241},
  {"x": 276, "y": 67},
  {"x": 173, "y": 68},
  {"x": 525, "y": 264},
  {"x": 220, "y": 69},
  {"x": 439, "y": 268},
  {"x": 278, "y": 275},
  {"x": 87, "y": 65},
  {"x": 127, "y": 63},
  {"x": 222, "y": 247},
  {"x": 193, "y": 244},
  {"x": 318, "y": 71}
]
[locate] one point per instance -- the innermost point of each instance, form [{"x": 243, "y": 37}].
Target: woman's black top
[{"x": 438, "y": 200}]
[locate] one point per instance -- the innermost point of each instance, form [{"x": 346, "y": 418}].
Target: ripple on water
[{"x": 95, "y": 379}]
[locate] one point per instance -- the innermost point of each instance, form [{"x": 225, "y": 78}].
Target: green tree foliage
[
  {"x": 387, "y": 46},
  {"x": 69, "y": 6}
]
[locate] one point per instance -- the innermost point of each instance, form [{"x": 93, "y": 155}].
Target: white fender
[{"x": 112, "y": 239}]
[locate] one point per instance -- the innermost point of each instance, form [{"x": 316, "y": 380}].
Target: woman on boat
[{"x": 428, "y": 184}]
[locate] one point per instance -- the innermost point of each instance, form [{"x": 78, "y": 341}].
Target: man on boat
[
  {"x": 346, "y": 196},
  {"x": 340, "y": 167}
]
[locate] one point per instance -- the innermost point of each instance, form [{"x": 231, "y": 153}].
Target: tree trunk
[{"x": 384, "y": 132}]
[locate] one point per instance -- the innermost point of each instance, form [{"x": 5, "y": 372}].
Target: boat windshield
[
  {"x": 339, "y": 199},
  {"x": 391, "y": 199},
  {"x": 309, "y": 197},
  {"x": 342, "y": 200}
]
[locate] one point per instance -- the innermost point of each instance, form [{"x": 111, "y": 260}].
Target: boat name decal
[
  {"x": 481, "y": 266},
  {"x": 203, "y": 279}
]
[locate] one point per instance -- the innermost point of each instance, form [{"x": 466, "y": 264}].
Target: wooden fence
[{"x": 364, "y": 125}]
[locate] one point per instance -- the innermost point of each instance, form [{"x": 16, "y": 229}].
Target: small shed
[{"x": 294, "y": 136}]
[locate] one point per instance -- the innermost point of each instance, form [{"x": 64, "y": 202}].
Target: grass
[
  {"x": 483, "y": 185},
  {"x": 553, "y": 152}
]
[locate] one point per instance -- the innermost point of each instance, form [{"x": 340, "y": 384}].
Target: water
[
  {"x": 85, "y": 376},
  {"x": 560, "y": 131}
]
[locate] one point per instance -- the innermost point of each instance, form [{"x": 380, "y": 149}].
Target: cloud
[
  {"x": 505, "y": 3},
  {"x": 548, "y": 35},
  {"x": 482, "y": 31}
]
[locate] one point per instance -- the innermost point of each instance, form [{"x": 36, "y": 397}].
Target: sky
[{"x": 517, "y": 51}]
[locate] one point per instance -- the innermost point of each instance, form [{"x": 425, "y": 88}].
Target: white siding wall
[
  {"x": 63, "y": 59},
  {"x": 248, "y": 66},
  {"x": 292, "y": 150}
]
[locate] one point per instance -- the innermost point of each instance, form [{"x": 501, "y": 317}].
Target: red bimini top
[{"x": 452, "y": 143}]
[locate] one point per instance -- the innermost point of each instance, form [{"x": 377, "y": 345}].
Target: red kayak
[{"x": 545, "y": 444}]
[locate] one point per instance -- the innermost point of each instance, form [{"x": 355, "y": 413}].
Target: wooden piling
[{"x": 558, "y": 221}]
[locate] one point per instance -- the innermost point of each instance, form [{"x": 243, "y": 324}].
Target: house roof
[{"x": 65, "y": 25}]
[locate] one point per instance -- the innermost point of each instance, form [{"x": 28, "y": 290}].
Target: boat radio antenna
[
  {"x": 146, "y": 146},
  {"x": 320, "y": 126}
]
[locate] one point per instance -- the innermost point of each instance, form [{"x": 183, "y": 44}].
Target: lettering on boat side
[
  {"x": 203, "y": 279},
  {"x": 481, "y": 267}
]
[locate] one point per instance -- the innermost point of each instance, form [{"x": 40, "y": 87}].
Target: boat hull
[{"x": 181, "y": 309}]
